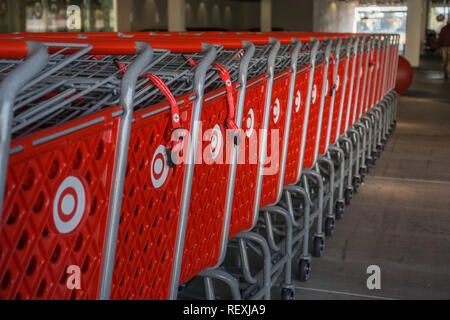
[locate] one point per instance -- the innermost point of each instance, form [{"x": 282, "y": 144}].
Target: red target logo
[
  {"x": 216, "y": 142},
  {"x": 314, "y": 94},
  {"x": 250, "y": 123},
  {"x": 159, "y": 169},
  {"x": 69, "y": 205},
  {"x": 276, "y": 111},
  {"x": 298, "y": 101}
]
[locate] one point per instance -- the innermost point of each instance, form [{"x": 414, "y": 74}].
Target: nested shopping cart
[
  {"x": 358, "y": 132},
  {"x": 106, "y": 129},
  {"x": 275, "y": 118},
  {"x": 65, "y": 125},
  {"x": 203, "y": 248},
  {"x": 207, "y": 234},
  {"x": 199, "y": 243},
  {"x": 158, "y": 184}
]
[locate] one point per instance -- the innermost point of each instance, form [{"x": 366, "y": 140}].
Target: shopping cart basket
[{"x": 61, "y": 171}]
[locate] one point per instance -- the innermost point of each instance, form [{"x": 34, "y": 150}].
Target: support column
[
  {"x": 416, "y": 12},
  {"x": 123, "y": 14},
  {"x": 266, "y": 15},
  {"x": 177, "y": 15}
]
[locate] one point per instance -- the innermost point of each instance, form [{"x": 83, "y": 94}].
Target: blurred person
[{"x": 444, "y": 44}]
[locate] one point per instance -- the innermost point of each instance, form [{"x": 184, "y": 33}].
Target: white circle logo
[
  {"x": 69, "y": 205},
  {"x": 216, "y": 141},
  {"x": 314, "y": 94},
  {"x": 298, "y": 101},
  {"x": 250, "y": 123},
  {"x": 276, "y": 111},
  {"x": 159, "y": 169}
]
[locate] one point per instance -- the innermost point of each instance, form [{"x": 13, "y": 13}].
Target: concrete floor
[{"x": 400, "y": 219}]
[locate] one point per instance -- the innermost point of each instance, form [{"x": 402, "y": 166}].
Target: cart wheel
[
  {"x": 368, "y": 165},
  {"x": 356, "y": 184},
  {"x": 319, "y": 247},
  {"x": 374, "y": 157},
  {"x": 383, "y": 141},
  {"x": 340, "y": 208},
  {"x": 287, "y": 294},
  {"x": 348, "y": 196},
  {"x": 304, "y": 270},
  {"x": 363, "y": 172},
  {"x": 330, "y": 224}
]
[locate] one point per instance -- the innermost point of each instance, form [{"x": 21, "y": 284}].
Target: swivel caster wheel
[
  {"x": 330, "y": 225},
  {"x": 348, "y": 196},
  {"x": 374, "y": 157},
  {"x": 287, "y": 294},
  {"x": 339, "y": 210},
  {"x": 318, "y": 247},
  {"x": 368, "y": 165},
  {"x": 356, "y": 184},
  {"x": 362, "y": 173},
  {"x": 304, "y": 269}
]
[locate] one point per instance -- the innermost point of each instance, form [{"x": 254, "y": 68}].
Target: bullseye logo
[
  {"x": 216, "y": 142},
  {"x": 276, "y": 111},
  {"x": 69, "y": 205},
  {"x": 314, "y": 94},
  {"x": 250, "y": 123},
  {"x": 160, "y": 169},
  {"x": 298, "y": 101}
]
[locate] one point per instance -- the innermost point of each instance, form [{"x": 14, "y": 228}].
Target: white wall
[{"x": 334, "y": 16}]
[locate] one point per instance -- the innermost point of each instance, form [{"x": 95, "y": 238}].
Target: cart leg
[
  {"x": 356, "y": 178},
  {"x": 223, "y": 276},
  {"x": 267, "y": 268},
  {"x": 288, "y": 291},
  {"x": 349, "y": 189},
  {"x": 340, "y": 203},
  {"x": 319, "y": 237},
  {"x": 330, "y": 220}
]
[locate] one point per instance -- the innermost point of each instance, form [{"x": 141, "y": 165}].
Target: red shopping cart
[{"x": 60, "y": 172}]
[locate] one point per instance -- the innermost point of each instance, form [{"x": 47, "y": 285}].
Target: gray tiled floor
[{"x": 400, "y": 220}]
